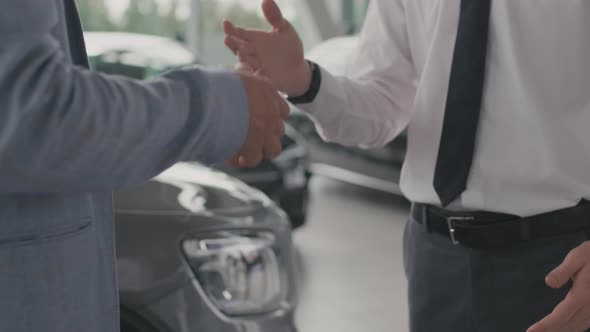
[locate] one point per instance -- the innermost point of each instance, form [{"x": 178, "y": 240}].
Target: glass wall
[
  {"x": 152, "y": 17},
  {"x": 246, "y": 13},
  {"x": 170, "y": 18},
  {"x": 360, "y": 11}
]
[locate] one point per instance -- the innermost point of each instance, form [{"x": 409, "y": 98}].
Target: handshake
[
  {"x": 269, "y": 61},
  {"x": 267, "y": 110}
]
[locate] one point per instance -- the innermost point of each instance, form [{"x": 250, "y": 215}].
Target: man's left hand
[{"x": 573, "y": 313}]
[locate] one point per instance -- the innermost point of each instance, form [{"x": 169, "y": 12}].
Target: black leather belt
[{"x": 492, "y": 230}]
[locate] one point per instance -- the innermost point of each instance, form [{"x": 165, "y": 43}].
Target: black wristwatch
[{"x": 314, "y": 86}]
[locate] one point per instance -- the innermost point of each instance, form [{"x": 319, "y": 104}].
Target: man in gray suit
[{"x": 68, "y": 137}]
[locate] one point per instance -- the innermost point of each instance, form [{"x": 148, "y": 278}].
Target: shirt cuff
[{"x": 330, "y": 95}]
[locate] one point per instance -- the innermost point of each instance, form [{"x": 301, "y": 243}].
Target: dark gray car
[{"x": 198, "y": 250}]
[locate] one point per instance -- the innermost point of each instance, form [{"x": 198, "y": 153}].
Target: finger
[
  {"x": 232, "y": 44},
  {"x": 244, "y": 47},
  {"x": 230, "y": 29},
  {"x": 251, "y": 153},
  {"x": 243, "y": 68},
  {"x": 573, "y": 263},
  {"x": 239, "y": 46},
  {"x": 252, "y": 61},
  {"x": 234, "y": 161},
  {"x": 279, "y": 129},
  {"x": 561, "y": 316},
  {"x": 284, "y": 108},
  {"x": 261, "y": 75},
  {"x": 251, "y": 159},
  {"x": 273, "y": 14},
  {"x": 579, "y": 323},
  {"x": 272, "y": 148}
]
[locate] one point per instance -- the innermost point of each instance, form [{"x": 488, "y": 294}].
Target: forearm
[
  {"x": 364, "y": 112},
  {"x": 373, "y": 104},
  {"x": 66, "y": 129}
]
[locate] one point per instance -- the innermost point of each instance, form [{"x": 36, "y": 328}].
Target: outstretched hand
[
  {"x": 268, "y": 110},
  {"x": 276, "y": 55},
  {"x": 573, "y": 313}
]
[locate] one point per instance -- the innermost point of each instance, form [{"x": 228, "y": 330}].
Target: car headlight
[{"x": 240, "y": 272}]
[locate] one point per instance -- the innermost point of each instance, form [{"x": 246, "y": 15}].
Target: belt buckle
[{"x": 451, "y": 225}]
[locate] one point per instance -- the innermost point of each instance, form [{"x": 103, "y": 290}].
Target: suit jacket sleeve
[{"x": 63, "y": 128}]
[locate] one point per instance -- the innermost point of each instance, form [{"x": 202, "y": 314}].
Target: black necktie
[{"x": 464, "y": 100}]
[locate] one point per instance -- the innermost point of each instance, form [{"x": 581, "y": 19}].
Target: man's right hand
[
  {"x": 266, "y": 129},
  {"x": 276, "y": 54}
]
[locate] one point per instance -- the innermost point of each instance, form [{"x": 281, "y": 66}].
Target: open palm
[{"x": 276, "y": 54}]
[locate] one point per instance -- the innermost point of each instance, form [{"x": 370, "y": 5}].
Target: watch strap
[{"x": 314, "y": 86}]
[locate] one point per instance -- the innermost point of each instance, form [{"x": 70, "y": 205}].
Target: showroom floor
[{"x": 351, "y": 260}]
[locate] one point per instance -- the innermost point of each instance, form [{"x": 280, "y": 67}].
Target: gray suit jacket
[{"x": 68, "y": 137}]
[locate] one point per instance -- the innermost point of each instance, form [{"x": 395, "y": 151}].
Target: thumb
[
  {"x": 273, "y": 14},
  {"x": 573, "y": 263},
  {"x": 234, "y": 161}
]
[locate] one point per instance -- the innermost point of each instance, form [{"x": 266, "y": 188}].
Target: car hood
[
  {"x": 189, "y": 188},
  {"x": 154, "y": 218}
]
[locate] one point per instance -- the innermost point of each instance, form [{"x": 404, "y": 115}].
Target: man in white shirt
[{"x": 495, "y": 97}]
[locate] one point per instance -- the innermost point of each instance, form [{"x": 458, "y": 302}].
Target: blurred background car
[
  {"x": 198, "y": 250},
  {"x": 138, "y": 56},
  {"x": 135, "y": 55},
  {"x": 375, "y": 168}
]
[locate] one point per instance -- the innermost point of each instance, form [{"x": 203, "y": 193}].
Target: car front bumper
[{"x": 186, "y": 310}]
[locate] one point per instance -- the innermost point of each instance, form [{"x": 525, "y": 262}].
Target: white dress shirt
[{"x": 533, "y": 144}]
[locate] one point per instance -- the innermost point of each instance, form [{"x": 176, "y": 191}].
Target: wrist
[
  {"x": 302, "y": 80},
  {"x": 314, "y": 87}
]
